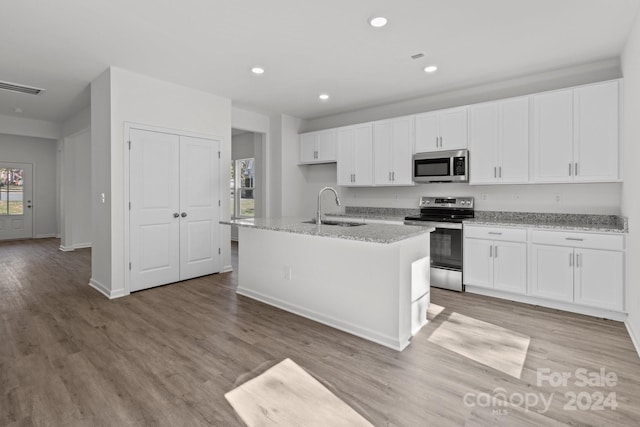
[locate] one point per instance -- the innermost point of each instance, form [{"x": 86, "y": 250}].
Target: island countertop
[{"x": 373, "y": 233}]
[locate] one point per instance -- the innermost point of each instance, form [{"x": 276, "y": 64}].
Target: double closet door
[{"x": 174, "y": 208}]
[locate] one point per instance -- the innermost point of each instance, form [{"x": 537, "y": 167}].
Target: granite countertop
[
  {"x": 386, "y": 214},
  {"x": 553, "y": 221},
  {"x": 373, "y": 233}
]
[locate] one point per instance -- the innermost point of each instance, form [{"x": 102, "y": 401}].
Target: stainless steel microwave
[{"x": 441, "y": 166}]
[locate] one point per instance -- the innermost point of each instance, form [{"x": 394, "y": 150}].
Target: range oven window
[
  {"x": 446, "y": 248},
  {"x": 433, "y": 167}
]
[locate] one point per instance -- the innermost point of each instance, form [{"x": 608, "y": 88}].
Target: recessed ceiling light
[
  {"x": 430, "y": 69},
  {"x": 257, "y": 70},
  {"x": 378, "y": 21},
  {"x": 323, "y": 96}
]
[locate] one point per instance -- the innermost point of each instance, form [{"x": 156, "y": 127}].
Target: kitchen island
[{"x": 371, "y": 280}]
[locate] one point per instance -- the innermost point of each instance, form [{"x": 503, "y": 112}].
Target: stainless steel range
[{"x": 446, "y": 215}]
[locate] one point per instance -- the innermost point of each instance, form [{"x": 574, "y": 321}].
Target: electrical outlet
[
  {"x": 516, "y": 197},
  {"x": 557, "y": 198},
  {"x": 483, "y": 196}
]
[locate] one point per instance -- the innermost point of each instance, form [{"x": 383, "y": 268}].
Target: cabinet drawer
[
  {"x": 614, "y": 242},
  {"x": 496, "y": 233}
]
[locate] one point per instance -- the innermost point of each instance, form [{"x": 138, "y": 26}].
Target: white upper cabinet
[
  {"x": 576, "y": 134},
  {"x": 441, "y": 130},
  {"x": 318, "y": 147},
  {"x": 596, "y": 131},
  {"x": 355, "y": 155},
  {"x": 393, "y": 148},
  {"x": 499, "y": 142}
]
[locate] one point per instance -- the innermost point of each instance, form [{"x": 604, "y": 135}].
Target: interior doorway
[{"x": 247, "y": 176}]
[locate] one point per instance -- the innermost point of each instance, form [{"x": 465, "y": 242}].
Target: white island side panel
[{"x": 359, "y": 287}]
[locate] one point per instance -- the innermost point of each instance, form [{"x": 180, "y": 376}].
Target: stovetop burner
[{"x": 444, "y": 209}]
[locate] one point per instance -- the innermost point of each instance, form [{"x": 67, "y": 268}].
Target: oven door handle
[{"x": 449, "y": 225}]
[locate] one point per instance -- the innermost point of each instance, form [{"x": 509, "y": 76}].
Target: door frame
[
  {"x": 33, "y": 194},
  {"x": 128, "y": 126}
]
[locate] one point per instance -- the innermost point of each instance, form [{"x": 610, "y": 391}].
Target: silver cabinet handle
[
  {"x": 576, "y": 169},
  {"x": 578, "y": 260},
  {"x": 440, "y": 142},
  {"x": 570, "y": 260},
  {"x": 491, "y": 251},
  {"x": 574, "y": 239},
  {"x": 393, "y": 176},
  {"x": 569, "y": 169},
  {"x": 495, "y": 252},
  {"x": 495, "y": 233},
  {"x": 495, "y": 172},
  {"x": 183, "y": 214},
  {"x": 176, "y": 215},
  {"x": 499, "y": 171}
]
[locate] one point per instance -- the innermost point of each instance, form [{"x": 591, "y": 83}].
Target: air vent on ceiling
[
  {"x": 15, "y": 87},
  {"x": 417, "y": 56}
]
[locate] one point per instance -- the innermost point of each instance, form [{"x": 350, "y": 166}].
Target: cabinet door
[
  {"x": 553, "y": 137},
  {"x": 510, "y": 266},
  {"x": 552, "y": 272},
  {"x": 599, "y": 278},
  {"x": 596, "y": 156},
  {"x": 382, "y": 143},
  {"x": 513, "y": 152},
  {"x": 345, "y": 144},
  {"x": 483, "y": 143},
  {"x": 478, "y": 263},
  {"x": 326, "y": 146},
  {"x": 308, "y": 147},
  {"x": 401, "y": 151},
  {"x": 427, "y": 134},
  {"x": 453, "y": 129},
  {"x": 363, "y": 155}
]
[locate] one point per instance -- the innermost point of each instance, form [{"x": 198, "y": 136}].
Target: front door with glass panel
[{"x": 16, "y": 207}]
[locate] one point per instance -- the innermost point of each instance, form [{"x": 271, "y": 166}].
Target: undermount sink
[{"x": 338, "y": 223}]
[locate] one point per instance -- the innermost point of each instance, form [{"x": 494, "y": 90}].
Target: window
[
  {"x": 242, "y": 188},
  {"x": 11, "y": 191}
]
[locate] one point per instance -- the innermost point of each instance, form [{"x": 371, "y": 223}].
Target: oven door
[{"x": 446, "y": 248}]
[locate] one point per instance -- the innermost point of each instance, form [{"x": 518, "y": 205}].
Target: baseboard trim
[
  {"x": 558, "y": 305},
  {"x": 58, "y": 236},
  {"x": 227, "y": 269},
  {"x": 44, "y": 236},
  {"x": 117, "y": 293},
  {"x": 81, "y": 245},
  {"x": 635, "y": 338},
  {"x": 67, "y": 248},
  {"x": 368, "y": 334}
]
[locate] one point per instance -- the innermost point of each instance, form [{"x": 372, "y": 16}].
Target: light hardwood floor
[{"x": 167, "y": 356}]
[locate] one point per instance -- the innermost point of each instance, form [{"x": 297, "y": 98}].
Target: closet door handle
[
  {"x": 176, "y": 215},
  {"x": 183, "y": 214}
]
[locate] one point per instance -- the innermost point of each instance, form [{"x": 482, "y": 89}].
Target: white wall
[
  {"x": 42, "y": 153},
  {"x": 131, "y": 97},
  {"x": 75, "y": 176},
  {"x": 11, "y": 125},
  {"x": 631, "y": 186}
]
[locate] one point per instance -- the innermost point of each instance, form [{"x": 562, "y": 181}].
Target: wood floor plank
[{"x": 167, "y": 356}]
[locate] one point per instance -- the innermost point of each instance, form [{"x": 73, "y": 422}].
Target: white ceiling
[{"x": 306, "y": 46}]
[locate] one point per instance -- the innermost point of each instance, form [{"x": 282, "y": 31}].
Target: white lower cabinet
[
  {"x": 552, "y": 272},
  {"x": 575, "y": 271},
  {"x": 495, "y": 264}
]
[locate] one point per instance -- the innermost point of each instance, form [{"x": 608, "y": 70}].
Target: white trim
[
  {"x": 45, "y": 236},
  {"x": 81, "y": 245},
  {"x": 128, "y": 126},
  {"x": 66, "y": 248},
  {"x": 105, "y": 291},
  {"x": 361, "y": 332},
  {"x": 558, "y": 305},
  {"x": 635, "y": 338},
  {"x": 227, "y": 269},
  {"x": 58, "y": 236}
]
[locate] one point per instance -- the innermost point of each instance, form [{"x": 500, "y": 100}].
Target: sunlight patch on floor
[
  {"x": 494, "y": 346},
  {"x": 434, "y": 311}
]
